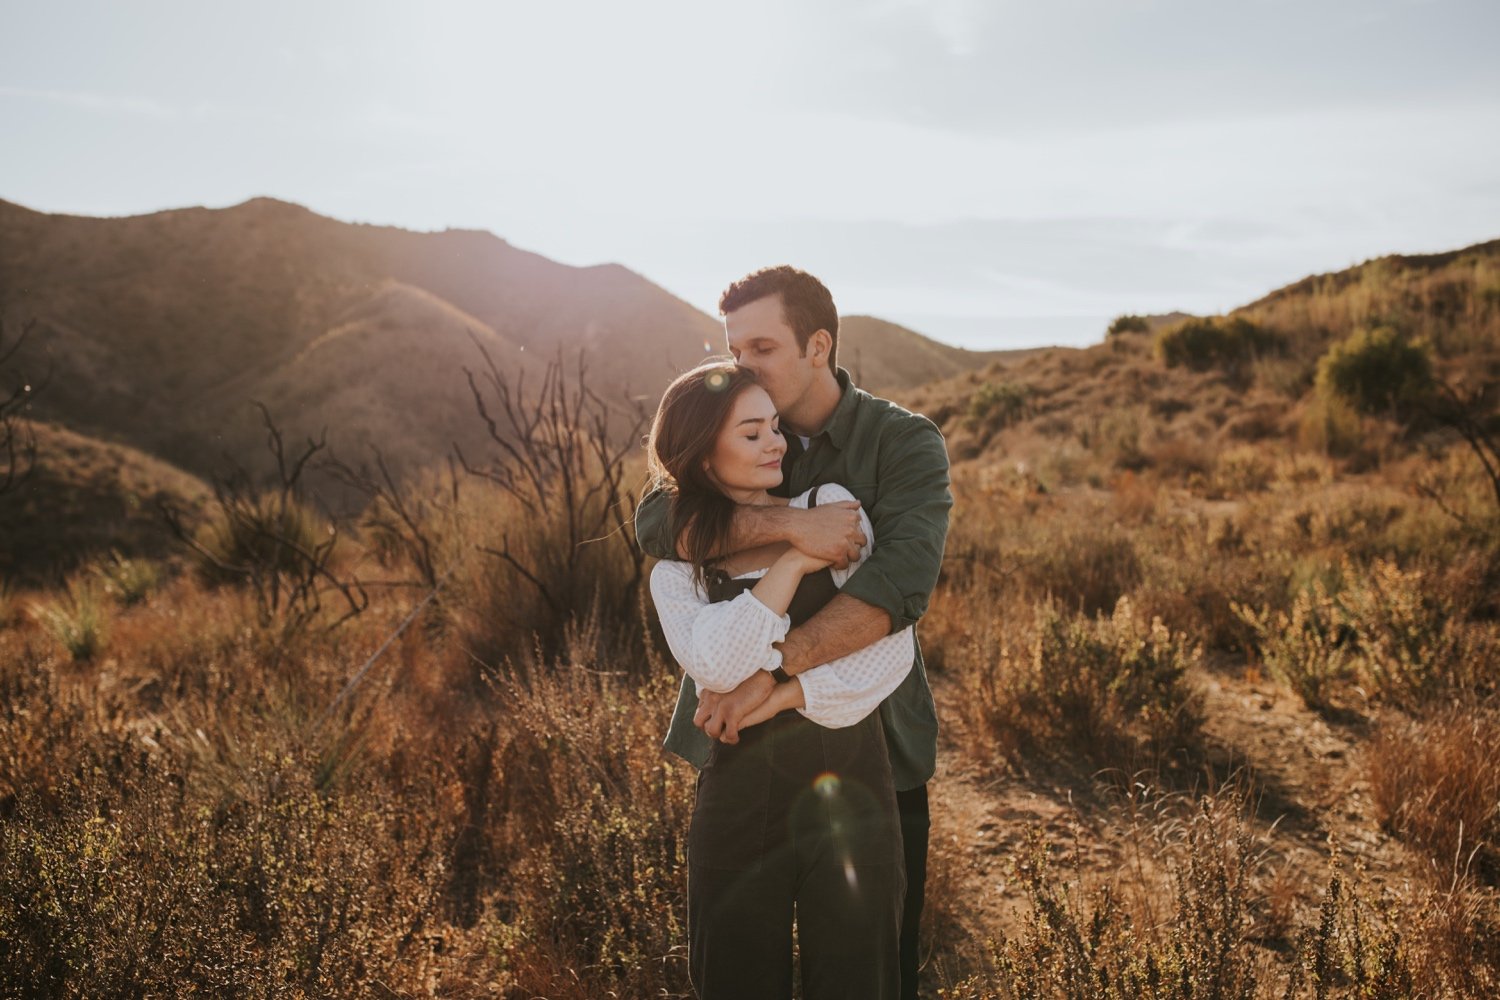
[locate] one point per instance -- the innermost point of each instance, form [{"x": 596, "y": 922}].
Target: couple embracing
[{"x": 801, "y": 524}]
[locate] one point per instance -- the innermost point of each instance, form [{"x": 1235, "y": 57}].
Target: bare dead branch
[
  {"x": 17, "y": 437},
  {"x": 289, "y": 576},
  {"x": 558, "y": 451}
]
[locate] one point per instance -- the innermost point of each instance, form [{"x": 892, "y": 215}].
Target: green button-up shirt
[{"x": 895, "y": 462}]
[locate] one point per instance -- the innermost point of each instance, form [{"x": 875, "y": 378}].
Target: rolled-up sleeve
[
  {"x": 653, "y": 525},
  {"x": 719, "y": 644},
  {"x": 910, "y": 517},
  {"x": 841, "y": 692}
]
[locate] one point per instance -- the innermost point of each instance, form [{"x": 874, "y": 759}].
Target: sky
[{"x": 994, "y": 174}]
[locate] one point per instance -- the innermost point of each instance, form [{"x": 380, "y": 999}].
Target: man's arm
[
  {"x": 830, "y": 531},
  {"x": 842, "y": 626},
  {"x": 912, "y": 508},
  {"x": 890, "y": 589}
]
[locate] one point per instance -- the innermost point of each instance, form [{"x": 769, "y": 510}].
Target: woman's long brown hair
[{"x": 693, "y": 411}]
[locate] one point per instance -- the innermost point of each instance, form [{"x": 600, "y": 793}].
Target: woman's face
[{"x": 746, "y": 456}]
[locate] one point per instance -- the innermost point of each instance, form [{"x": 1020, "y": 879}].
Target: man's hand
[
  {"x": 830, "y": 532},
  {"x": 720, "y": 715}
]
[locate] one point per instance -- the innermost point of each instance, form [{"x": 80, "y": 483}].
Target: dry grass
[
  {"x": 1110, "y": 691},
  {"x": 1436, "y": 783},
  {"x": 1079, "y": 937},
  {"x": 183, "y": 815},
  {"x": 490, "y": 813}
]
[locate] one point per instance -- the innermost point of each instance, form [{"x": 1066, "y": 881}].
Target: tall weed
[
  {"x": 127, "y": 580},
  {"x": 1436, "y": 784},
  {"x": 1309, "y": 648},
  {"x": 1110, "y": 690},
  {"x": 77, "y": 619},
  {"x": 1079, "y": 942}
]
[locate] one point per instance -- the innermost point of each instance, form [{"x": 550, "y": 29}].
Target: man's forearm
[
  {"x": 753, "y": 527},
  {"x": 845, "y": 625}
]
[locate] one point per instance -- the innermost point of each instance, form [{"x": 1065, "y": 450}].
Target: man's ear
[{"x": 818, "y": 346}]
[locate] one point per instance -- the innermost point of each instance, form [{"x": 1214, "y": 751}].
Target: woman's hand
[
  {"x": 802, "y": 563},
  {"x": 776, "y": 589},
  {"x": 781, "y": 698}
]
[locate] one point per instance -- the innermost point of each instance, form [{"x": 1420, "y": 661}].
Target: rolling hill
[
  {"x": 159, "y": 330},
  {"x": 886, "y": 357},
  {"x": 84, "y": 498},
  {"x": 1119, "y": 396}
]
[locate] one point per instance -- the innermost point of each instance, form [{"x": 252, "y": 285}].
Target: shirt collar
[{"x": 841, "y": 424}]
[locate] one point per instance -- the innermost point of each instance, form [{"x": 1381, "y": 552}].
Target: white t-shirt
[{"x": 721, "y": 644}]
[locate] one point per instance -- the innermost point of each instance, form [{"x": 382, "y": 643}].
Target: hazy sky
[{"x": 997, "y": 173}]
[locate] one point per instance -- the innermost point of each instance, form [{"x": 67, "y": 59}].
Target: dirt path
[{"x": 1309, "y": 785}]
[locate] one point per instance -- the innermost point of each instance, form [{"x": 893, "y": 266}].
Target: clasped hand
[
  {"x": 722, "y": 716},
  {"x": 830, "y": 532},
  {"x": 829, "y": 535}
]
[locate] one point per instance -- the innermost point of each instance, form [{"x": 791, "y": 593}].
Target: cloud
[
  {"x": 101, "y": 103},
  {"x": 958, "y": 24}
]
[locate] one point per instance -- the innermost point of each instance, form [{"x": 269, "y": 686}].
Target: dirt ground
[{"x": 1308, "y": 789}]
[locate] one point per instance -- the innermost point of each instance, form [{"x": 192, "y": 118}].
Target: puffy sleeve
[
  {"x": 844, "y": 691},
  {"x": 719, "y": 644}
]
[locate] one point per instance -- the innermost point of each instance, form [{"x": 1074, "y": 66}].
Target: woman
[{"x": 798, "y": 817}]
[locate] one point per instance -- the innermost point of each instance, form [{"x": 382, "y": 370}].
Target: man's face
[{"x": 761, "y": 340}]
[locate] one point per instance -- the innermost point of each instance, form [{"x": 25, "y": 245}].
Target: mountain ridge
[{"x": 163, "y": 327}]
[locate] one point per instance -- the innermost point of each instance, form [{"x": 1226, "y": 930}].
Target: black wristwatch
[{"x": 782, "y": 677}]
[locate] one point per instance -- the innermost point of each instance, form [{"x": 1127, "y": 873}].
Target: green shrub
[
  {"x": 584, "y": 826},
  {"x": 127, "y": 580},
  {"x": 1086, "y": 945},
  {"x": 1377, "y": 371},
  {"x": 1109, "y": 690},
  {"x": 1128, "y": 323},
  {"x": 1117, "y": 437},
  {"x": 266, "y": 535},
  {"x": 1308, "y": 648},
  {"x": 998, "y": 404},
  {"x": 77, "y": 619},
  {"x": 1331, "y": 426},
  {"x": 1413, "y": 642},
  {"x": 1226, "y": 343}
]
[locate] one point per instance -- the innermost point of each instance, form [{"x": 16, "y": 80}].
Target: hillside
[
  {"x": 84, "y": 498},
  {"x": 161, "y": 328},
  {"x": 885, "y": 357},
  {"x": 1117, "y": 400}
]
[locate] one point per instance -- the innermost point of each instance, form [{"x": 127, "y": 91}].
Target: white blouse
[{"x": 721, "y": 644}]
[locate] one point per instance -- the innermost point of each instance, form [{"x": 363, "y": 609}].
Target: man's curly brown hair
[{"x": 806, "y": 303}]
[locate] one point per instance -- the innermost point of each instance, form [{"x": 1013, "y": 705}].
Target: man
[{"x": 781, "y": 323}]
